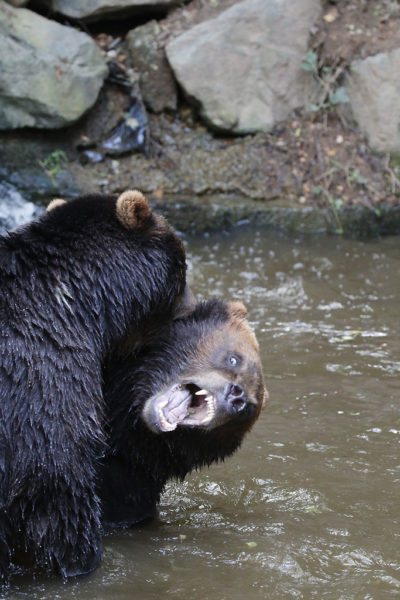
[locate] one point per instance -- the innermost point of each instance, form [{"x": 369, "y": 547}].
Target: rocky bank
[{"x": 224, "y": 111}]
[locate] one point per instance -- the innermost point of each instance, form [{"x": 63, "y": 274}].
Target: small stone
[{"x": 331, "y": 15}]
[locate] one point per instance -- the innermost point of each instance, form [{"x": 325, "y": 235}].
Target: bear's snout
[{"x": 236, "y": 397}]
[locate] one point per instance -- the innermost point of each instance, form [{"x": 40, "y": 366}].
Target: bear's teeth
[
  {"x": 201, "y": 393},
  {"x": 210, "y": 408},
  {"x": 164, "y": 423}
]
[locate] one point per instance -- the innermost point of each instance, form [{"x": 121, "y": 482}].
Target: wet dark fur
[
  {"x": 140, "y": 462},
  {"x": 72, "y": 284}
]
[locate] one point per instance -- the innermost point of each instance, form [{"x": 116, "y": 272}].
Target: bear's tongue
[
  {"x": 177, "y": 407},
  {"x": 186, "y": 405}
]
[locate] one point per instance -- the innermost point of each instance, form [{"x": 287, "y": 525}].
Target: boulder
[
  {"x": 18, "y": 3},
  {"x": 157, "y": 83},
  {"x": 243, "y": 68},
  {"x": 373, "y": 88},
  {"x": 92, "y": 10},
  {"x": 50, "y": 75},
  {"x": 14, "y": 209}
]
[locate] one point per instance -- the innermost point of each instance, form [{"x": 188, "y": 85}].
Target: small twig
[
  {"x": 394, "y": 180},
  {"x": 327, "y": 83},
  {"x": 319, "y": 156},
  {"x": 345, "y": 170},
  {"x": 326, "y": 173}
]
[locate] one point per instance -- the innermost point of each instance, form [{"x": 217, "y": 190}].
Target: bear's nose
[{"x": 236, "y": 396}]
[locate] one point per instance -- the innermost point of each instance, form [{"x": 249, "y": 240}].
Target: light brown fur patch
[
  {"x": 54, "y": 203},
  {"x": 236, "y": 332},
  {"x": 238, "y": 313},
  {"x": 237, "y": 310}
]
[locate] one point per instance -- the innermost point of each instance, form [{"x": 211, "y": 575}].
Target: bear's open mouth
[{"x": 185, "y": 404}]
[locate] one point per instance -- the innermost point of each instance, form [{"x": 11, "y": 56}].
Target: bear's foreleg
[
  {"x": 128, "y": 496},
  {"x": 58, "y": 524},
  {"x": 4, "y": 546},
  {"x": 73, "y": 542},
  {"x": 5, "y": 553},
  {"x": 58, "y": 437}
]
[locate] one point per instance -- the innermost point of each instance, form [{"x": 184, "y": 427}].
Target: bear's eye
[{"x": 233, "y": 360}]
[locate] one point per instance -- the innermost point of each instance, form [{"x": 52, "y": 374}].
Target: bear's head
[
  {"x": 131, "y": 209},
  {"x": 126, "y": 227},
  {"x": 217, "y": 380},
  {"x": 184, "y": 401}
]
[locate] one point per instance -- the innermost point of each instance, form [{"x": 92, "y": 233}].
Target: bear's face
[{"x": 220, "y": 382}]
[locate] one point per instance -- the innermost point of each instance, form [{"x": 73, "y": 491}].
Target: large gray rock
[
  {"x": 243, "y": 68},
  {"x": 91, "y": 10},
  {"x": 374, "y": 92},
  {"x": 14, "y": 209},
  {"x": 50, "y": 75},
  {"x": 157, "y": 83},
  {"x": 18, "y": 3}
]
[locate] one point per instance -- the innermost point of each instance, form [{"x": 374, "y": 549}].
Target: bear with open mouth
[{"x": 185, "y": 401}]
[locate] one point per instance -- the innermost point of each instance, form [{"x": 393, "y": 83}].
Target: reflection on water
[{"x": 309, "y": 507}]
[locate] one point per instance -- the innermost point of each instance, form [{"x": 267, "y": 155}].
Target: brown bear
[
  {"x": 85, "y": 276},
  {"x": 186, "y": 400}
]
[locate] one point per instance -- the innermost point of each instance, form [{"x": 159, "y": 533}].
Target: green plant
[
  {"x": 54, "y": 162},
  {"x": 310, "y": 62},
  {"x": 356, "y": 177},
  {"x": 317, "y": 190},
  {"x": 328, "y": 95},
  {"x": 335, "y": 204}
]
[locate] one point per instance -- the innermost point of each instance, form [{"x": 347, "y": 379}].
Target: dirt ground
[
  {"x": 333, "y": 160},
  {"x": 353, "y": 29}
]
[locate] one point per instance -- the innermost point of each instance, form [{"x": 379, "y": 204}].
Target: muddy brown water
[{"x": 309, "y": 506}]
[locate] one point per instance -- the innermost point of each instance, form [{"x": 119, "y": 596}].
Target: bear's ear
[
  {"x": 133, "y": 210},
  {"x": 185, "y": 305},
  {"x": 237, "y": 309},
  {"x": 54, "y": 203},
  {"x": 265, "y": 398}
]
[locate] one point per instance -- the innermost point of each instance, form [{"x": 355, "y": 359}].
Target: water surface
[{"x": 309, "y": 506}]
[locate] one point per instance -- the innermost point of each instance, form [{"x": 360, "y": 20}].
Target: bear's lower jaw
[{"x": 181, "y": 404}]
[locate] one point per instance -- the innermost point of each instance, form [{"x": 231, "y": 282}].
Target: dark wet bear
[
  {"x": 186, "y": 401},
  {"x": 81, "y": 278}
]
